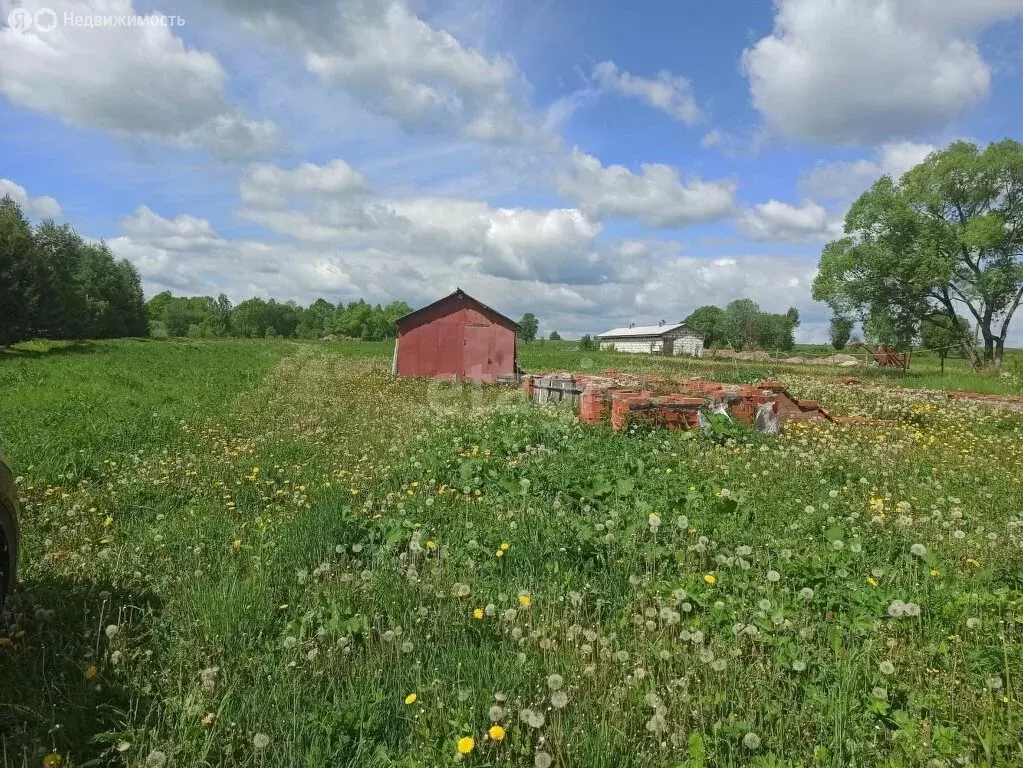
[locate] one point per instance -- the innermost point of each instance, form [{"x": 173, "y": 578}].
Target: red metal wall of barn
[{"x": 456, "y": 340}]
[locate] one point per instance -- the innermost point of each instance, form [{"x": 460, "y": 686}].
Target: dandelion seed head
[
  {"x": 657, "y": 723},
  {"x": 209, "y": 678},
  {"x": 532, "y": 718}
]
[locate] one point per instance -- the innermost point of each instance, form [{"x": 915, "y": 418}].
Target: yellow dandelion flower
[
  {"x": 710, "y": 578},
  {"x": 431, "y": 544},
  {"x": 411, "y": 699},
  {"x": 499, "y": 553},
  {"x": 477, "y": 613},
  {"x": 505, "y": 546},
  {"x": 53, "y": 760},
  {"x": 496, "y": 732},
  {"x": 935, "y": 572},
  {"x": 466, "y": 744},
  {"x": 236, "y": 544},
  {"x": 872, "y": 581},
  {"x": 91, "y": 672},
  {"x": 973, "y": 562},
  {"x": 525, "y": 599}
]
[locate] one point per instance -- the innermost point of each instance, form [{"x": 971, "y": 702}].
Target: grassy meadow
[{"x": 271, "y": 553}]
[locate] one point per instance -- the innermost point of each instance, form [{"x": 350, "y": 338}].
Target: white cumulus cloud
[
  {"x": 866, "y": 71},
  {"x": 180, "y": 233},
  {"x": 333, "y": 204},
  {"x": 139, "y": 82},
  {"x": 269, "y": 186},
  {"x": 400, "y": 65},
  {"x": 777, "y": 221},
  {"x": 848, "y": 180},
  {"x": 44, "y": 206},
  {"x": 656, "y": 195},
  {"x": 672, "y": 94}
]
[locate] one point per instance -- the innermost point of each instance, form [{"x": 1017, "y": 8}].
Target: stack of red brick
[{"x": 624, "y": 401}]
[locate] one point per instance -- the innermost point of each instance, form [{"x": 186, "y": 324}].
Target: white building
[{"x": 660, "y": 339}]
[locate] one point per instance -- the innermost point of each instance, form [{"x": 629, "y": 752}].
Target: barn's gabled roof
[
  {"x": 457, "y": 294},
  {"x": 640, "y": 330}
]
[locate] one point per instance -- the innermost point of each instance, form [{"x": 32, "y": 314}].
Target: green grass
[
  {"x": 67, "y": 407},
  {"x": 232, "y": 542},
  {"x": 924, "y": 370}
]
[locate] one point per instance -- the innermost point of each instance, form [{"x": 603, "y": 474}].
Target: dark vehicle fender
[{"x": 8, "y": 531}]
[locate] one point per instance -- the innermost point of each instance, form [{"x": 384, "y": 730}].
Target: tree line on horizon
[
  {"x": 206, "y": 317},
  {"x": 56, "y": 285},
  {"x": 742, "y": 325}
]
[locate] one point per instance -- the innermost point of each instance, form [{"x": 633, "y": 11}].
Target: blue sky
[{"x": 597, "y": 163}]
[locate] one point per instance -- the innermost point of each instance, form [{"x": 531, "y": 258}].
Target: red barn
[{"x": 456, "y": 337}]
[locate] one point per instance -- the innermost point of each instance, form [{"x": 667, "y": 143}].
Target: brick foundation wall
[{"x": 624, "y": 400}]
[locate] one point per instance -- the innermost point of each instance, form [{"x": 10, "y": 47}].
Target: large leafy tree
[
  {"x": 53, "y": 284},
  {"x": 528, "y": 327},
  {"x": 945, "y": 239},
  {"x": 840, "y": 331},
  {"x": 706, "y": 320},
  {"x": 742, "y": 324},
  {"x": 778, "y": 331},
  {"x": 19, "y": 286}
]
